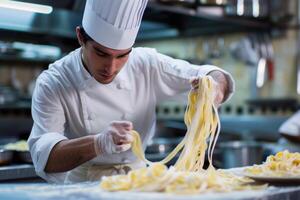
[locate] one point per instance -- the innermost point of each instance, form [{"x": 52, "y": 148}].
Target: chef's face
[{"x": 102, "y": 63}]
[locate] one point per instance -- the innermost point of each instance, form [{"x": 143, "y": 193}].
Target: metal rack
[
  {"x": 175, "y": 21},
  {"x": 160, "y": 21}
]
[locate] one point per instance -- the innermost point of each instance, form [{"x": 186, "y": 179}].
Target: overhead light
[{"x": 30, "y": 7}]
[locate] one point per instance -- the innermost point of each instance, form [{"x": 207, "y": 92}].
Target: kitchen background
[{"x": 257, "y": 41}]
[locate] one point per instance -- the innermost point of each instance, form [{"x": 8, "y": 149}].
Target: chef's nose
[{"x": 110, "y": 66}]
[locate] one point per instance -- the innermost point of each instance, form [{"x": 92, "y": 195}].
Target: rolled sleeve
[
  {"x": 48, "y": 127},
  {"x": 40, "y": 149}
]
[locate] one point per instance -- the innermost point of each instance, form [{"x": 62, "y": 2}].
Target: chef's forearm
[{"x": 69, "y": 154}]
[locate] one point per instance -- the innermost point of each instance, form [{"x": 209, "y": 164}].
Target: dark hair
[{"x": 85, "y": 36}]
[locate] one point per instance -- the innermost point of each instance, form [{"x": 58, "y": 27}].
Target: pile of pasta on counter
[
  {"x": 187, "y": 176},
  {"x": 282, "y": 164}
]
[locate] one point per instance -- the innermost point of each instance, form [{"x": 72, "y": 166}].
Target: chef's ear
[{"x": 80, "y": 37}]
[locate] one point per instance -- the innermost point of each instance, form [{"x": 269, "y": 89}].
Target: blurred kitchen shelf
[
  {"x": 247, "y": 127},
  {"x": 57, "y": 28},
  {"x": 159, "y": 21},
  {"x": 214, "y": 13},
  {"x": 15, "y": 119},
  {"x": 15, "y": 126},
  {"x": 24, "y": 60},
  {"x": 173, "y": 21},
  {"x": 17, "y": 106}
]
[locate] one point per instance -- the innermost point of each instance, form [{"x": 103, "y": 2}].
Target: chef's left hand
[{"x": 220, "y": 86}]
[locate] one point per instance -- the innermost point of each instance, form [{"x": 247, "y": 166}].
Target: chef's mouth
[{"x": 106, "y": 76}]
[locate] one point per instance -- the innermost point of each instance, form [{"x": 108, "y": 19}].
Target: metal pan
[
  {"x": 6, "y": 156},
  {"x": 23, "y": 156}
]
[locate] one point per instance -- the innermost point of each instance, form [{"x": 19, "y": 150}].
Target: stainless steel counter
[{"x": 16, "y": 172}]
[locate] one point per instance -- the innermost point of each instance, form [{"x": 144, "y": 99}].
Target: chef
[{"x": 85, "y": 104}]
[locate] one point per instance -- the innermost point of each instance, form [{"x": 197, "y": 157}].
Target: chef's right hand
[{"x": 116, "y": 138}]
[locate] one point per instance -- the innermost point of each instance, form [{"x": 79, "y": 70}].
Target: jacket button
[
  {"x": 120, "y": 86},
  {"x": 124, "y": 116},
  {"x": 92, "y": 116}
]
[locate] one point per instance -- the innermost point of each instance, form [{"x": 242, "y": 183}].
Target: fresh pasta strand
[
  {"x": 200, "y": 107},
  {"x": 187, "y": 176}
]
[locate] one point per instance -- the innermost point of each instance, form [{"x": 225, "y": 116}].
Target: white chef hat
[{"x": 113, "y": 23}]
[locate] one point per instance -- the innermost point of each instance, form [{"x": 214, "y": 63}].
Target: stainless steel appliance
[{"x": 240, "y": 153}]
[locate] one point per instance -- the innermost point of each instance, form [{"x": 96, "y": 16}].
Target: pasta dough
[
  {"x": 17, "y": 146},
  {"x": 187, "y": 176}
]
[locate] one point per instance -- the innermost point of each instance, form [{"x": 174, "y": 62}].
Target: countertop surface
[{"x": 91, "y": 190}]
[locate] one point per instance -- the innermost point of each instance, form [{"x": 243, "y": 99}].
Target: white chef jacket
[{"x": 69, "y": 103}]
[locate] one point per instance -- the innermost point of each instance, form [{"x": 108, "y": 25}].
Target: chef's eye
[
  {"x": 101, "y": 54},
  {"x": 123, "y": 56}
]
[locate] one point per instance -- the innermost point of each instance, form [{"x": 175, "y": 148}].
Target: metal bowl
[{"x": 6, "y": 156}]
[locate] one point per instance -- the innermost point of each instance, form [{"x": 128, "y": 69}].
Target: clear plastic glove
[
  {"x": 217, "y": 91},
  {"x": 116, "y": 138},
  {"x": 220, "y": 86}
]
